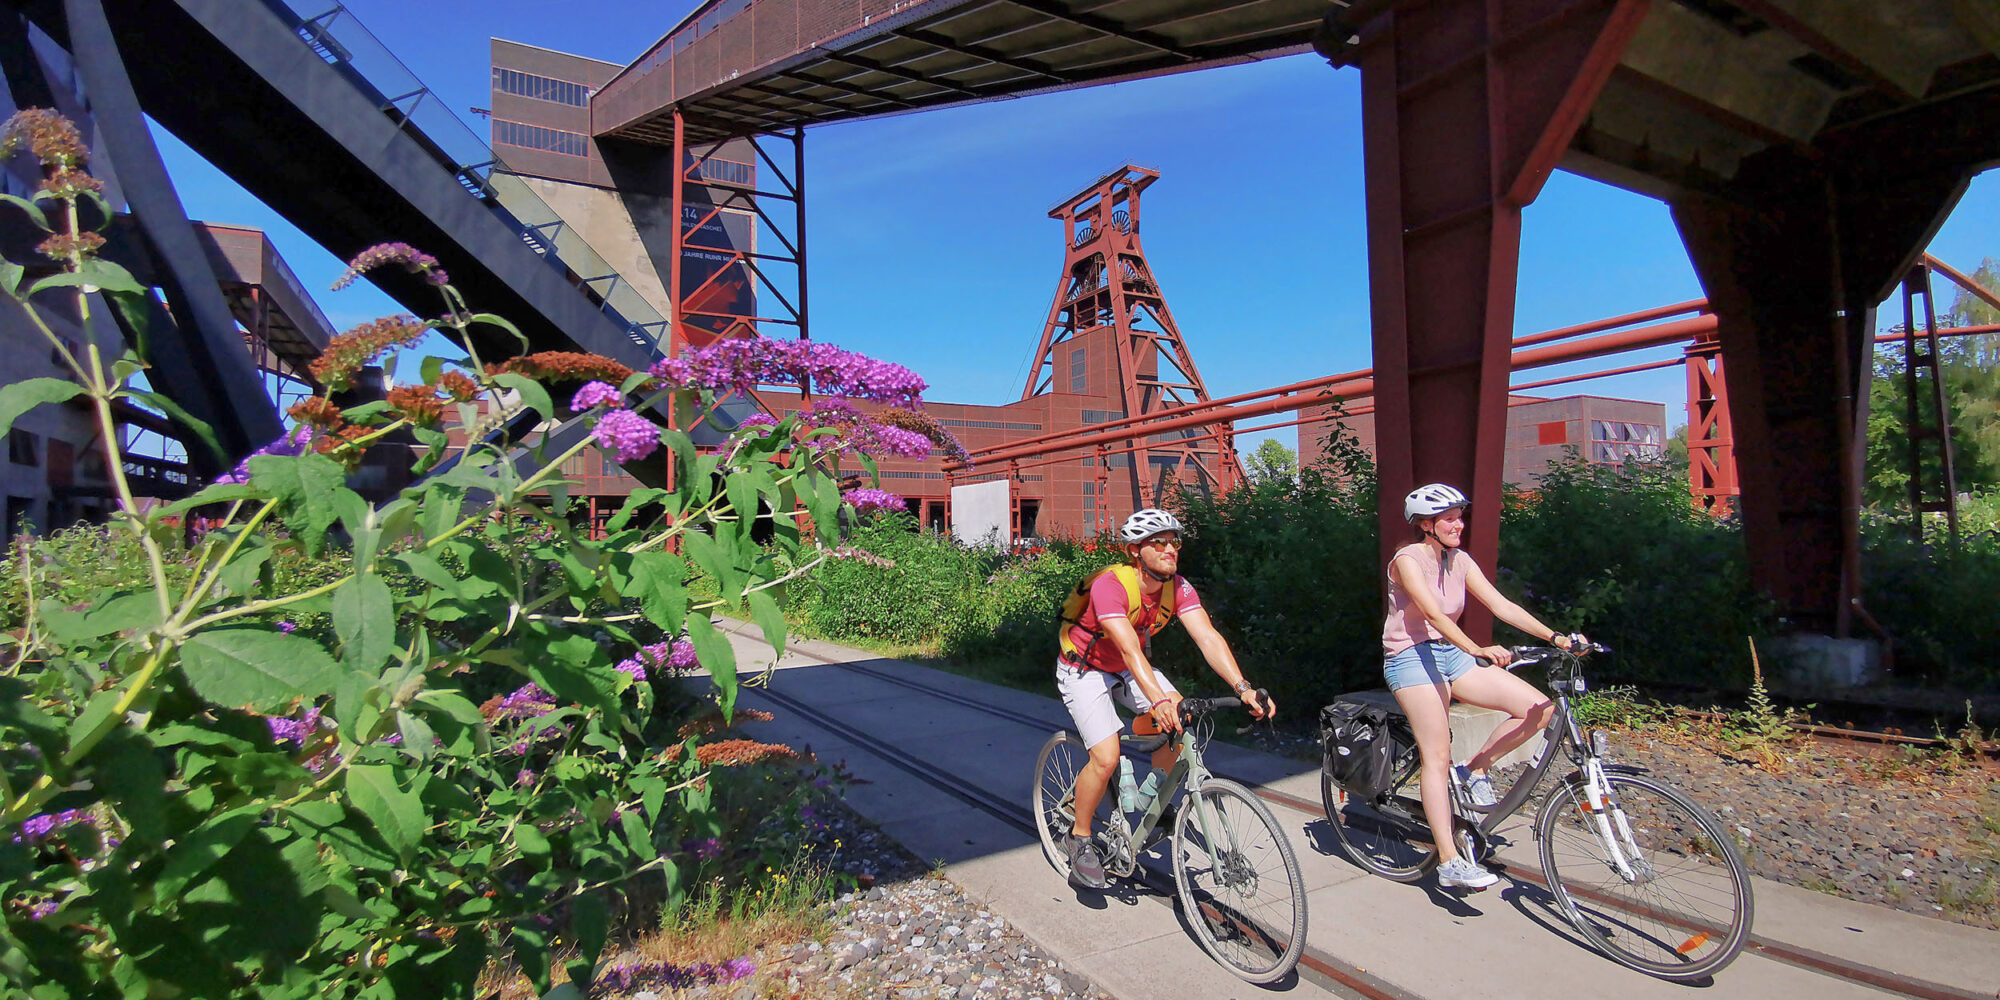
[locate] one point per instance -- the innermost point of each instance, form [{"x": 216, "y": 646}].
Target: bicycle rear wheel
[
  {"x": 1239, "y": 882},
  {"x": 1381, "y": 844},
  {"x": 1054, "y": 796},
  {"x": 1685, "y": 909}
]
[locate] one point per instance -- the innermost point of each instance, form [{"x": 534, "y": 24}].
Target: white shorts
[{"x": 1088, "y": 695}]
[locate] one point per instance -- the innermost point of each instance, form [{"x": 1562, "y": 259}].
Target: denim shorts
[{"x": 1435, "y": 662}]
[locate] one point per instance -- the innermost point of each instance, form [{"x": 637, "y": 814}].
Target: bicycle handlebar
[
  {"x": 1529, "y": 655},
  {"x": 1192, "y": 708}
]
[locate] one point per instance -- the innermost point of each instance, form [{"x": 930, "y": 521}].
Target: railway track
[{"x": 1325, "y": 969}]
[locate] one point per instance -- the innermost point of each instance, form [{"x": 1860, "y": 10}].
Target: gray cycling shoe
[
  {"x": 1086, "y": 867},
  {"x": 1479, "y": 786},
  {"x": 1463, "y": 874}
]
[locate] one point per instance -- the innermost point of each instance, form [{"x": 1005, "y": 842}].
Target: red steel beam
[{"x": 1350, "y": 384}]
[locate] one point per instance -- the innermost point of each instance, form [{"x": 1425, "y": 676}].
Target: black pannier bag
[{"x": 1360, "y": 751}]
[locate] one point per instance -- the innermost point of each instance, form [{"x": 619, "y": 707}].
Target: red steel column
[
  {"x": 1467, "y": 105},
  {"x": 1711, "y": 447}
]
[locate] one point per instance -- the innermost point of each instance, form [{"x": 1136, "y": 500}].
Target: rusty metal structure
[{"x": 1109, "y": 300}]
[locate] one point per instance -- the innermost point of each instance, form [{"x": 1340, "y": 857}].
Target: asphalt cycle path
[{"x": 946, "y": 768}]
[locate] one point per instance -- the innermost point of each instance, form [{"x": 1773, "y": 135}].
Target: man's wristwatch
[{"x": 1243, "y": 688}]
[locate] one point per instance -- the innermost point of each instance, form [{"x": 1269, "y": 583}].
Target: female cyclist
[{"x": 1428, "y": 660}]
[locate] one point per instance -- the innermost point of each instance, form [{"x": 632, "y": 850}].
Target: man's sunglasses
[{"x": 1165, "y": 543}]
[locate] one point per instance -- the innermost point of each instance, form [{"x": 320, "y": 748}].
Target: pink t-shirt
[
  {"x": 1406, "y": 625},
  {"x": 1107, "y": 600}
]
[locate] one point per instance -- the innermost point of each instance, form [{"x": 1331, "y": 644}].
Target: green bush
[
  {"x": 904, "y": 604},
  {"x": 1936, "y": 598},
  {"x": 1620, "y": 553}
]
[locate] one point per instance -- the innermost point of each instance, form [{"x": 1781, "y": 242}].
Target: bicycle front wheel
[
  {"x": 1055, "y": 794},
  {"x": 1653, "y": 880},
  {"x": 1383, "y": 845},
  {"x": 1239, "y": 882}
]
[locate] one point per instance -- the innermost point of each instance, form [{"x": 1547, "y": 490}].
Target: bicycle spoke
[
  {"x": 1239, "y": 883},
  {"x": 1683, "y": 910}
]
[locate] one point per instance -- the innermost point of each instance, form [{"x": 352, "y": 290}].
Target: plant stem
[{"x": 44, "y": 787}]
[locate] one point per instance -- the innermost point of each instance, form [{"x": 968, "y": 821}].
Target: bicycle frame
[
  {"x": 1189, "y": 772},
  {"x": 1562, "y": 733}
]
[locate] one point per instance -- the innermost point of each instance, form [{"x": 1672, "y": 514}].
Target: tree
[
  {"x": 1272, "y": 462},
  {"x": 1971, "y": 371}
]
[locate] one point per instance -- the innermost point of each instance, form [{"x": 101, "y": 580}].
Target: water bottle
[
  {"x": 1128, "y": 793},
  {"x": 1147, "y": 790}
]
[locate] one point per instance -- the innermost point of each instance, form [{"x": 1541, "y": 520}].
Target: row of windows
[
  {"x": 541, "y": 88},
  {"x": 537, "y": 137},
  {"x": 1100, "y": 416},
  {"x": 991, "y": 425},
  {"x": 723, "y": 171},
  {"x": 1620, "y": 430}
]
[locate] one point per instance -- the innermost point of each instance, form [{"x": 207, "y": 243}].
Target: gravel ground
[
  {"x": 903, "y": 933},
  {"x": 1854, "y": 820},
  {"x": 1879, "y": 824}
]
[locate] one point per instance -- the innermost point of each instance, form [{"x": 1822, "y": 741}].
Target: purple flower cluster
[
  {"x": 413, "y": 260},
  {"x": 624, "y": 975},
  {"x": 526, "y": 702},
  {"x": 705, "y": 849},
  {"x": 675, "y": 656},
  {"x": 758, "y": 419},
  {"x": 630, "y": 435},
  {"x": 292, "y": 442},
  {"x": 750, "y": 362},
  {"x": 288, "y": 626},
  {"x": 299, "y": 731},
  {"x": 38, "y": 828},
  {"x": 42, "y": 909},
  {"x": 597, "y": 394},
  {"x": 862, "y": 556},
  {"x": 866, "y": 500},
  {"x": 854, "y": 431}
]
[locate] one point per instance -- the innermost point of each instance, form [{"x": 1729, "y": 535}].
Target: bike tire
[
  {"x": 1380, "y": 845},
  {"x": 1689, "y": 919},
  {"x": 1233, "y": 901},
  {"x": 1056, "y": 768}
]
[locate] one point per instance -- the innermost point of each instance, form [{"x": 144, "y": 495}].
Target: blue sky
[{"x": 931, "y": 246}]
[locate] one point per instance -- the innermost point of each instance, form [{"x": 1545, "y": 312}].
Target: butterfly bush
[
  {"x": 440, "y": 752},
  {"x": 867, "y": 500}
]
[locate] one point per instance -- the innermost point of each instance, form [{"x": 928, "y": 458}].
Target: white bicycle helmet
[
  {"x": 1432, "y": 500},
  {"x": 1146, "y": 523}
]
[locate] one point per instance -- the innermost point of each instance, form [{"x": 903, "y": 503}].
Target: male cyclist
[{"x": 1106, "y": 633}]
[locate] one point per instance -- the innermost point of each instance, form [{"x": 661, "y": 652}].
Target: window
[
  {"x": 721, "y": 171},
  {"x": 23, "y": 448},
  {"x": 1077, "y": 378},
  {"x": 1615, "y": 441},
  {"x": 540, "y": 88},
  {"x": 537, "y": 137}
]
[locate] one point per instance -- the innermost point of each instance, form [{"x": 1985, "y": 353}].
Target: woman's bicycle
[
  {"x": 1237, "y": 878},
  {"x": 1647, "y": 877}
]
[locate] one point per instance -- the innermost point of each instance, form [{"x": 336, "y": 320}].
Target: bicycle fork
[{"x": 1614, "y": 828}]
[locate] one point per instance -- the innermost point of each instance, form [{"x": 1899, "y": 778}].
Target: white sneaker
[
  {"x": 1478, "y": 786},
  {"x": 1460, "y": 873}
]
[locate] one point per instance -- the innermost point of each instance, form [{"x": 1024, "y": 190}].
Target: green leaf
[
  {"x": 398, "y": 815},
  {"x": 717, "y": 557},
  {"x": 656, "y": 582},
  {"x": 451, "y": 703},
  {"x": 131, "y": 612},
  {"x": 132, "y": 777},
  {"x": 684, "y": 461},
  {"x": 244, "y": 572},
  {"x": 441, "y": 505},
  {"x": 822, "y": 496},
  {"x": 138, "y": 312},
  {"x": 257, "y": 669},
  {"x": 431, "y": 369},
  {"x": 10, "y": 278},
  {"x": 358, "y": 516},
  {"x": 634, "y": 381},
  {"x": 217, "y": 493},
  {"x": 430, "y": 571},
  {"x": 532, "y": 394},
  {"x": 96, "y": 273},
  {"x": 202, "y": 431},
  {"x": 491, "y": 320},
  {"x": 418, "y": 740},
  {"x": 197, "y": 852},
  {"x": 572, "y": 667},
  {"x": 34, "y": 211},
  {"x": 630, "y": 508},
  {"x": 530, "y": 840},
  {"x": 17, "y": 398},
  {"x": 769, "y": 618},
  {"x": 743, "y": 500},
  {"x": 364, "y": 617},
  {"x": 306, "y": 485},
  {"x": 718, "y": 656},
  {"x": 589, "y": 920}
]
